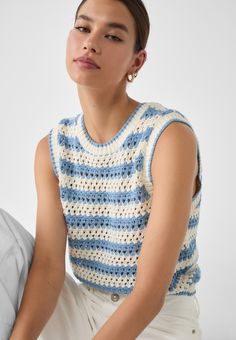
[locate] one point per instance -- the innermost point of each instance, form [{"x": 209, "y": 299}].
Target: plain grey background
[{"x": 190, "y": 67}]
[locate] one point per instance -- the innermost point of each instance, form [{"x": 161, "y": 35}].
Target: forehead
[{"x": 107, "y": 11}]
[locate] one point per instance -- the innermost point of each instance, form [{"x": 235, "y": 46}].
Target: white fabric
[
  {"x": 80, "y": 311},
  {"x": 16, "y": 250}
]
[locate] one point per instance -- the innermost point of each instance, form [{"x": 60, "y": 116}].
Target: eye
[
  {"x": 113, "y": 37},
  {"x": 79, "y": 27}
]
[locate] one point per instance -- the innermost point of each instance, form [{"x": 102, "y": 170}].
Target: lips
[{"x": 87, "y": 60}]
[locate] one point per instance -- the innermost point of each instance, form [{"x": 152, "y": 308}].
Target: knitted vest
[{"x": 106, "y": 194}]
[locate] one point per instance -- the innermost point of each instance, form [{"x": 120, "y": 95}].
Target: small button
[
  {"x": 193, "y": 331},
  {"x": 115, "y": 297}
]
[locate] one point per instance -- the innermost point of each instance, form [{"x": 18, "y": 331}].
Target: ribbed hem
[{"x": 102, "y": 149}]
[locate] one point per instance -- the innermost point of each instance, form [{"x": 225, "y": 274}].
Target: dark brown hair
[{"x": 141, "y": 18}]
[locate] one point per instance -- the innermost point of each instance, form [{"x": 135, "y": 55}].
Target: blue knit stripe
[
  {"x": 193, "y": 221},
  {"x": 99, "y": 268},
  {"x": 187, "y": 252},
  {"x": 106, "y": 288},
  {"x": 114, "y": 223},
  {"x": 132, "y": 140},
  {"x": 69, "y": 121},
  {"x": 122, "y": 248},
  {"x": 179, "y": 274},
  {"x": 106, "y": 222},
  {"x": 123, "y": 170},
  {"x": 137, "y": 195},
  {"x": 153, "y": 112},
  {"x": 112, "y": 247},
  {"x": 177, "y": 277},
  {"x": 69, "y": 142}
]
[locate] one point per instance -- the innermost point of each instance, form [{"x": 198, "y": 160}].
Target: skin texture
[{"x": 106, "y": 106}]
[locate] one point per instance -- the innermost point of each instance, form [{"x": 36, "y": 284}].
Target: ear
[{"x": 138, "y": 61}]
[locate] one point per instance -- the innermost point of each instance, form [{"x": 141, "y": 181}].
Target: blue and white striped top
[{"x": 106, "y": 193}]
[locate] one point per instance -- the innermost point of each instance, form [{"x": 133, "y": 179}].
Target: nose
[{"x": 91, "y": 46}]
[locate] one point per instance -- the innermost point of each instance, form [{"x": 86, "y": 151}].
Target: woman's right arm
[{"x": 47, "y": 273}]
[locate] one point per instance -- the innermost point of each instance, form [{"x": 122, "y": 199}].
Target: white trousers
[{"x": 80, "y": 311}]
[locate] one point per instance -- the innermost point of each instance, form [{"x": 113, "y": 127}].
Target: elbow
[
  {"x": 49, "y": 263},
  {"x": 50, "y": 269},
  {"x": 150, "y": 297}
]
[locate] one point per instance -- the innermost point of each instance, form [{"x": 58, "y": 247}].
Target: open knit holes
[{"x": 91, "y": 230}]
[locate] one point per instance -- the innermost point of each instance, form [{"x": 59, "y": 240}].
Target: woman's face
[{"x": 112, "y": 48}]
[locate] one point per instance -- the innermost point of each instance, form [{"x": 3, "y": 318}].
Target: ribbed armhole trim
[{"x": 52, "y": 140}]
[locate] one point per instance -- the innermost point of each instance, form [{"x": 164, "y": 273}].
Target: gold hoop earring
[{"x": 133, "y": 75}]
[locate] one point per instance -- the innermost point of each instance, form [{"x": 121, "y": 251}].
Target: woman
[{"x": 121, "y": 180}]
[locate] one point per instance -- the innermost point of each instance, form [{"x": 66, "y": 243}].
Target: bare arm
[
  {"x": 173, "y": 172},
  {"x": 47, "y": 273}
]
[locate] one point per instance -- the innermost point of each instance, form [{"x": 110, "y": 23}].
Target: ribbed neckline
[{"x": 99, "y": 149}]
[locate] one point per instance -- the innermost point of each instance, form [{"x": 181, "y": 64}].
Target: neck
[{"x": 104, "y": 111}]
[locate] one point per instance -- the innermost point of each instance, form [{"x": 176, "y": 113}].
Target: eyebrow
[{"x": 109, "y": 24}]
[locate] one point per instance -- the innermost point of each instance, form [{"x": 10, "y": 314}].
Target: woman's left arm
[{"x": 173, "y": 170}]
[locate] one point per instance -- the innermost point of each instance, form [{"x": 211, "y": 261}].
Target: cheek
[
  {"x": 70, "y": 53},
  {"x": 72, "y": 45},
  {"x": 68, "y": 49},
  {"x": 121, "y": 60}
]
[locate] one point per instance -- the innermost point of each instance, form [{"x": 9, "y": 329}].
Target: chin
[{"x": 86, "y": 80}]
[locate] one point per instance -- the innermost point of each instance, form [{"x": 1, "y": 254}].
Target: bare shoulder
[
  {"x": 177, "y": 146},
  {"x": 51, "y": 231},
  {"x": 42, "y": 154}
]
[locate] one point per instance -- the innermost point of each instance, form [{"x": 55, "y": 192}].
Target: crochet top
[{"x": 106, "y": 195}]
